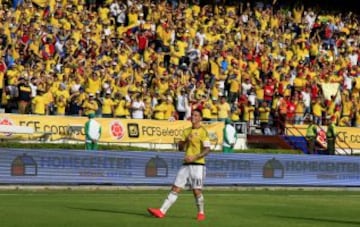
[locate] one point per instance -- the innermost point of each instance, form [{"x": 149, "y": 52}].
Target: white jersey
[
  {"x": 139, "y": 107},
  {"x": 94, "y": 129},
  {"x": 230, "y": 135},
  {"x": 181, "y": 103}
]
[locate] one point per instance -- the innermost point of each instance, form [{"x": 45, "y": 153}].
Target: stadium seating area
[{"x": 140, "y": 59}]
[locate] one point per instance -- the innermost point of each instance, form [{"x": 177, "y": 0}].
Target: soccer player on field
[{"x": 196, "y": 144}]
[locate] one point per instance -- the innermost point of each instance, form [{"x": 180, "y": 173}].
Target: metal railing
[
  {"x": 291, "y": 130},
  {"x": 344, "y": 149}
]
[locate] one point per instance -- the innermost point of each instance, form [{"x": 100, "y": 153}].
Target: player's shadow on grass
[
  {"x": 127, "y": 212},
  {"x": 318, "y": 219}
]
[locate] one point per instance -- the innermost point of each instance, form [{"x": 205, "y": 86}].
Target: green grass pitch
[{"x": 70, "y": 208}]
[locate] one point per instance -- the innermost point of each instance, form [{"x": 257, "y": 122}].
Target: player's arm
[
  {"x": 205, "y": 151},
  {"x": 185, "y": 140},
  {"x": 184, "y": 143},
  {"x": 206, "y": 148}
]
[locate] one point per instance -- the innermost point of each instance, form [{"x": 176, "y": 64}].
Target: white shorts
[{"x": 192, "y": 175}]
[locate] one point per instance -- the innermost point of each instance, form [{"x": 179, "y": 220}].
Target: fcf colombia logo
[
  {"x": 6, "y": 121},
  {"x": 117, "y": 130}
]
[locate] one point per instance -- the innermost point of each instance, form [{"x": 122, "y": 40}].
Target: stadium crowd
[{"x": 259, "y": 64}]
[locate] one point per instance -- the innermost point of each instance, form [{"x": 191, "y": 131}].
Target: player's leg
[
  {"x": 170, "y": 199},
  {"x": 199, "y": 200},
  {"x": 180, "y": 182},
  {"x": 197, "y": 174}
]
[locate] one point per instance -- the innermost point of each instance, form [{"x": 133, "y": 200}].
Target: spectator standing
[
  {"x": 306, "y": 97},
  {"x": 311, "y": 133},
  {"x": 121, "y": 105},
  {"x": 107, "y": 105},
  {"x": 92, "y": 133},
  {"x": 142, "y": 42},
  {"x": 76, "y": 102},
  {"x": 39, "y": 103},
  {"x": 33, "y": 85},
  {"x": 159, "y": 109},
  {"x": 234, "y": 83},
  {"x": 137, "y": 107},
  {"x": 99, "y": 101},
  {"x": 299, "y": 111},
  {"x": 223, "y": 109},
  {"x": 248, "y": 113},
  {"x": 24, "y": 96},
  {"x": 291, "y": 111},
  {"x": 230, "y": 136},
  {"x": 264, "y": 112},
  {"x": 282, "y": 113},
  {"x": 181, "y": 103},
  {"x": 331, "y": 136},
  {"x": 206, "y": 110},
  {"x": 90, "y": 105},
  {"x": 60, "y": 104},
  {"x": 170, "y": 109},
  {"x": 269, "y": 90},
  {"x": 317, "y": 109}
]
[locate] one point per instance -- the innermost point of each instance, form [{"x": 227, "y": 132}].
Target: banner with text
[
  {"x": 159, "y": 168},
  {"x": 114, "y": 130},
  {"x": 347, "y": 136}
]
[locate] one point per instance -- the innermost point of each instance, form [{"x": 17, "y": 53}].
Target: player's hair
[{"x": 199, "y": 111}]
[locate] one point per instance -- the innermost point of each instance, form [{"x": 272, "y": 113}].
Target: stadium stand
[{"x": 263, "y": 64}]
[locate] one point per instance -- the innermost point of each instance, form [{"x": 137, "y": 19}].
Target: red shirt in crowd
[
  {"x": 290, "y": 113},
  {"x": 269, "y": 91},
  {"x": 314, "y": 91},
  {"x": 142, "y": 41}
]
